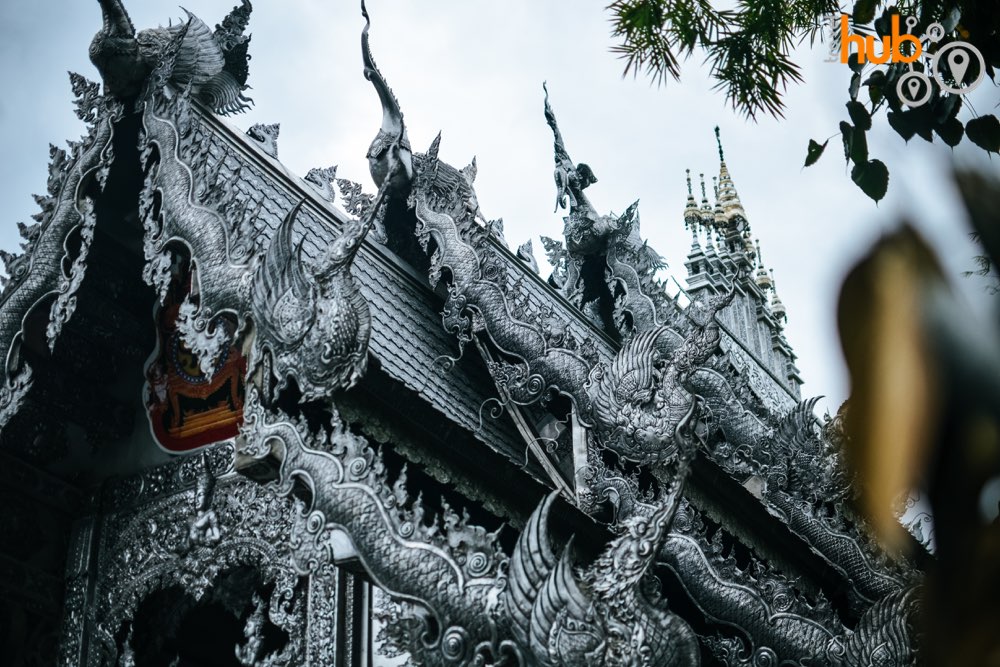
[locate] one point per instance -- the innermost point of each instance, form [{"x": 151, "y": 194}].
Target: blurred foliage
[
  {"x": 925, "y": 415},
  {"x": 748, "y": 49}
]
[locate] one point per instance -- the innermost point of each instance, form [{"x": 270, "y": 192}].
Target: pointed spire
[
  {"x": 777, "y": 307},
  {"x": 762, "y": 276},
  {"x": 718, "y": 216},
  {"x": 728, "y": 200},
  {"x": 692, "y": 218},
  {"x": 695, "y": 244},
  {"x": 749, "y": 248},
  {"x": 710, "y": 245}
]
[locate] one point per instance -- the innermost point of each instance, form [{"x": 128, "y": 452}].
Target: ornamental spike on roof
[
  {"x": 692, "y": 218},
  {"x": 727, "y": 198}
]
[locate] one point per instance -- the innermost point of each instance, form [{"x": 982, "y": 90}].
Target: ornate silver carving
[
  {"x": 176, "y": 209},
  {"x": 601, "y": 616},
  {"x": 266, "y": 137},
  {"x": 189, "y": 54},
  {"x": 458, "y": 564},
  {"x": 586, "y": 230},
  {"x": 389, "y": 155},
  {"x": 324, "y": 179},
  {"x": 65, "y": 303},
  {"x": 146, "y": 546},
  {"x": 314, "y": 328},
  {"x": 38, "y": 274},
  {"x": 309, "y": 317}
]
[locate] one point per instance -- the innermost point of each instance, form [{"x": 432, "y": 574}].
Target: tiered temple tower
[{"x": 724, "y": 250}]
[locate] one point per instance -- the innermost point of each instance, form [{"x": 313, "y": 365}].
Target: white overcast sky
[{"x": 473, "y": 69}]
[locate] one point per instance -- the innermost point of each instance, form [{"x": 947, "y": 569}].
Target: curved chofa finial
[
  {"x": 313, "y": 320},
  {"x": 188, "y": 54},
  {"x": 585, "y": 230},
  {"x": 390, "y": 145},
  {"x": 571, "y": 180}
]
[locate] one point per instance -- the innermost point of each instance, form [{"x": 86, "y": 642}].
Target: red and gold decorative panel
[{"x": 186, "y": 408}]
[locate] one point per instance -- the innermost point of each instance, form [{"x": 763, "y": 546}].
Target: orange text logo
[{"x": 892, "y": 45}]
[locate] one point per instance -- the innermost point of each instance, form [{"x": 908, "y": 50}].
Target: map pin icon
[
  {"x": 958, "y": 62},
  {"x": 914, "y": 86}
]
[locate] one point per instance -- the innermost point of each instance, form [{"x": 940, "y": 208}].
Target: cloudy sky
[{"x": 473, "y": 69}]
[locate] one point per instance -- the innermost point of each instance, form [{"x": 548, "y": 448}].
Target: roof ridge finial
[
  {"x": 718, "y": 142},
  {"x": 391, "y": 147},
  {"x": 704, "y": 197},
  {"x": 688, "y": 173}
]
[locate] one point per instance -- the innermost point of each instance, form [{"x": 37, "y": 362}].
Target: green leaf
[
  {"x": 872, "y": 177},
  {"x": 855, "y": 143},
  {"x": 903, "y": 123},
  {"x": 864, "y": 11},
  {"x": 854, "y": 64},
  {"x": 814, "y": 152},
  {"x": 984, "y": 132},
  {"x": 877, "y": 78},
  {"x": 875, "y": 94},
  {"x": 924, "y": 128},
  {"x": 876, "y": 83},
  {"x": 883, "y": 24},
  {"x": 846, "y": 135},
  {"x": 950, "y": 131},
  {"x": 945, "y": 107},
  {"x": 859, "y": 115},
  {"x": 859, "y": 146}
]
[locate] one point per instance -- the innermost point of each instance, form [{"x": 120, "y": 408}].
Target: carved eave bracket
[{"x": 51, "y": 268}]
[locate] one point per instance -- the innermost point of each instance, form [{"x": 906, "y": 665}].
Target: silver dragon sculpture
[
  {"x": 309, "y": 319},
  {"x": 607, "y": 614},
  {"x": 188, "y": 54},
  {"x": 468, "y": 602},
  {"x": 312, "y": 323}
]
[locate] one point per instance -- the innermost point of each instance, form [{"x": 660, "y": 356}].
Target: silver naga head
[{"x": 311, "y": 319}]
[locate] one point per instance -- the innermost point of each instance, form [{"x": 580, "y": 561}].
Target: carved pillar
[
  {"x": 79, "y": 584},
  {"x": 354, "y": 607},
  {"x": 339, "y": 619}
]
